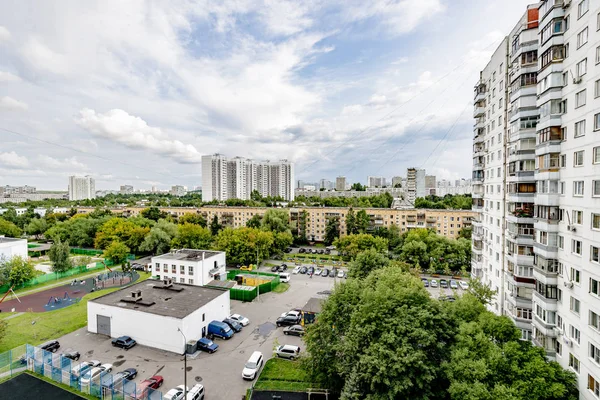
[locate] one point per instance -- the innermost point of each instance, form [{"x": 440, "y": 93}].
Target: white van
[
  {"x": 284, "y": 277},
  {"x": 253, "y": 365},
  {"x": 196, "y": 393}
]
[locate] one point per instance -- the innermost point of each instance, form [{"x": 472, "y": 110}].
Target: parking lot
[{"x": 220, "y": 373}]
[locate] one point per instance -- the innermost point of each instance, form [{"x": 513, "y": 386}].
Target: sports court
[{"x": 25, "y": 386}]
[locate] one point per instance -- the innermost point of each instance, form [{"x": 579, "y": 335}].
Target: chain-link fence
[{"x": 84, "y": 376}]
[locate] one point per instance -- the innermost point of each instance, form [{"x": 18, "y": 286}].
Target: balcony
[
  {"x": 479, "y": 136},
  {"x": 478, "y": 111},
  {"x": 480, "y": 92},
  {"x": 479, "y": 124}
]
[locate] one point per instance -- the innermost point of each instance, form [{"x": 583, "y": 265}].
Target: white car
[
  {"x": 253, "y": 365},
  {"x": 240, "y": 318},
  {"x": 296, "y": 270},
  {"x": 175, "y": 393},
  {"x": 434, "y": 283},
  {"x": 293, "y": 312},
  {"x": 318, "y": 271},
  {"x": 95, "y": 373},
  {"x": 84, "y": 367},
  {"x": 463, "y": 285},
  {"x": 453, "y": 284},
  {"x": 340, "y": 274}
]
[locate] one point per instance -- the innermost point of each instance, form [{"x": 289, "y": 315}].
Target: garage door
[{"x": 103, "y": 324}]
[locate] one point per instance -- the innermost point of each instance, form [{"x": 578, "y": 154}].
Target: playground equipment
[
  {"x": 10, "y": 291},
  {"x": 56, "y": 300}
]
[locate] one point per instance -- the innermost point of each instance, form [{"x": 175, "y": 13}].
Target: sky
[{"x": 135, "y": 92}]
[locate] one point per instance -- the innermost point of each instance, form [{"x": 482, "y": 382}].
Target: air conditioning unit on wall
[{"x": 569, "y": 284}]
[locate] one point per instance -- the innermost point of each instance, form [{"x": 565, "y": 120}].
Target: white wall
[
  {"x": 200, "y": 276},
  {"x": 13, "y": 248},
  {"x": 158, "y": 331}
]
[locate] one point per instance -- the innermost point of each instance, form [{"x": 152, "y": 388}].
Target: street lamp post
[
  {"x": 258, "y": 285},
  {"x": 184, "y": 364}
]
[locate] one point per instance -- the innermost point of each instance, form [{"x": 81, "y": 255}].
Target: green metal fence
[
  {"x": 243, "y": 293},
  {"x": 86, "y": 252},
  {"x": 249, "y": 293},
  {"x": 53, "y": 276},
  {"x": 11, "y": 362}
]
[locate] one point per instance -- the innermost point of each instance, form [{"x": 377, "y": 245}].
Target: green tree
[
  {"x": 354, "y": 244},
  {"x": 351, "y": 222},
  {"x": 481, "y": 291},
  {"x": 157, "y": 241},
  {"x": 255, "y": 221},
  {"x": 332, "y": 230},
  {"x": 215, "y": 226},
  {"x": 80, "y": 260},
  {"x": 130, "y": 232},
  {"x": 117, "y": 252},
  {"x": 192, "y": 236},
  {"x": 282, "y": 240},
  {"x": 465, "y": 232},
  {"x": 59, "y": 255},
  {"x": 9, "y": 229},
  {"x": 362, "y": 221},
  {"x": 276, "y": 220},
  {"x": 20, "y": 270},
  {"x": 37, "y": 227},
  {"x": 190, "y": 218},
  {"x": 242, "y": 244},
  {"x": 153, "y": 213},
  {"x": 358, "y": 187},
  {"x": 255, "y": 196},
  {"x": 366, "y": 262}
]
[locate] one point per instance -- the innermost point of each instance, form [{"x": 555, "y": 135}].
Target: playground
[{"x": 63, "y": 296}]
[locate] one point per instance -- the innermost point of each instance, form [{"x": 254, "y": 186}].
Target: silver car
[{"x": 288, "y": 351}]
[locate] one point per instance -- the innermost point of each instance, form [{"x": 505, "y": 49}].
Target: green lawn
[
  {"x": 280, "y": 374},
  {"x": 282, "y": 287},
  {"x": 49, "y": 325}
]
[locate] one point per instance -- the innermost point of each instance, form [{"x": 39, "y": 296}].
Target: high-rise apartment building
[
  {"x": 340, "y": 183},
  {"x": 126, "y": 189},
  {"x": 396, "y": 180},
  {"x": 6, "y": 190},
  {"x": 326, "y": 184},
  {"x": 430, "y": 185},
  {"x": 375, "y": 181},
  {"x": 82, "y": 188},
  {"x": 546, "y": 266},
  {"x": 178, "y": 190},
  {"x": 237, "y": 178},
  {"x": 415, "y": 184}
]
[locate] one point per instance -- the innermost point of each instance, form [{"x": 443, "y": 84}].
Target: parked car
[
  {"x": 332, "y": 273},
  {"x": 296, "y": 270},
  {"x": 219, "y": 329},
  {"x": 124, "y": 342},
  {"x": 434, "y": 283},
  {"x": 247, "y": 267},
  {"x": 340, "y": 274},
  {"x": 130, "y": 373},
  {"x": 288, "y": 320},
  {"x": 425, "y": 282},
  {"x": 301, "y": 250},
  {"x": 303, "y": 270},
  {"x": 283, "y": 268},
  {"x": 176, "y": 393},
  {"x": 275, "y": 268},
  {"x": 320, "y": 251},
  {"x": 295, "y": 312},
  {"x": 85, "y": 366},
  {"x": 137, "y": 267},
  {"x": 236, "y": 326},
  {"x": 318, "y": 271},
  {"x": 453, "y": 284},
  {"x": 463, "y": 285},
  {"x": 154, "y": 382},
  {"x": 253, "y": 365},
  {"x": 120, "y": 377},
  {"x": 207, "y": 345},
  {"x": 311, "y": 270},
  {"x": 50, "y": 346},
  {"x": 443, "y": 283},
  {"x": 288, "y": 351},
  {"x": 240, "y": 318},
  {"x": 196, "y": 392},
  {"x": 295, "y": 330},
  {"x": 325, "y": 272},
  {"x": 95, "y": 373},
  {"x": 71, "y": 354},
  {"x": 284, "y": 277}
]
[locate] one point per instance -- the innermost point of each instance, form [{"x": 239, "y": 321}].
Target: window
[
  {"x": 165, "y": 268},
  {"x": 577, "y": 217},
  {"x": 598, "y": 55},
  {"x": 190, "y": 270},
  {"x": 595, "y": 353},
  {"x": 594, "y": 385},
  {"x": 577, "y": 191},
  {"x": 582, "y": 8},
  {"x": 596, "y": 121},
  {"x": 203, "y": 317},
  {"x": 594, "y": 321},
  {"x": 575, "y": 275},
  {"x": 157, "y": 267},
  {"x": 574, "y": 305},
  {"x": 597, "y": 88},
  {"x": 563, "y": 160},
  {"x": 580, "y": 98},
  {"x": 191, "y": 281},
  {"x": 173, "y": 269},
  {"x": 555, "y": 53},
  {"x": 573, "y": 363},
  {"x": 582, "y": 37},
  {"x": 182, "y": 269},
  {"x": 581, "y": 68},
  {"x": 181, "y": 280},
  {"x": 575, "y": 334},
  {"x": 595, "y": 188},
  {"x": 576, "y": 246},
  {"x": 578, "y": 158},
  {"x": 580, "y": 127},
  {"x": 596, "y": 221},
  {"x": 594, "y": 254},
  {"x": 596, "y": 155}
]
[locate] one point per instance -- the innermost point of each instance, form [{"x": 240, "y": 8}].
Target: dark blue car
[
  {"x": 208, "y": 345},
  {"x": 236, "y": 326}
]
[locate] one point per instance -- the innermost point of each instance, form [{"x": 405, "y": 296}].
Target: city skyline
[{"x": 368, "y": 91}]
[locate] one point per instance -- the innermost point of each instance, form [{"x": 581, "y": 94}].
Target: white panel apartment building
[
  {"x": 236, "y": 178},
  {"x": 82, "y": 188},
  {"x": 563, "y": 206}
]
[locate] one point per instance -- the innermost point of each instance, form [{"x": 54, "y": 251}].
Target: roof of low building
[
  {"x": 189, "y": 255},
  {"x": 4, "y": 239},
  {"x": 177, "y": 300},
  {"x": 313, "y": 305}
]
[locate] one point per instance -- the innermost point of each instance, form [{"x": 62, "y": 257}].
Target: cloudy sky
[{"x": 135, "y": 92}]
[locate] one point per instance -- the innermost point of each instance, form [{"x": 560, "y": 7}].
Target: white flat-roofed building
[
  {"x": 193, "y": 267},
  {"x": 11, "y": 247}
]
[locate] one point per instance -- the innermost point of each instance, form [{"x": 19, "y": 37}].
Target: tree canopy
[
  {"x": 59, "y": 255},
  {"x": 449, "y": 201},
  {"x": 354, "y": 244},
  {"x": 9, "y": 229}
]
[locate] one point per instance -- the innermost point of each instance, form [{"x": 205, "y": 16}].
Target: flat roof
[
  {"x": 189, "y": 254},
  {"x": 177, "y": 301},
  {"x": 9, "y": 240},
  {"x": 313, "y": 305}
]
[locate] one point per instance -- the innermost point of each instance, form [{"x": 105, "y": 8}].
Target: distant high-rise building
[
  {"x": 430, "y": 185},
  {"x": 326, "y": 184},
  {"x": 6, "y": 190},
  {"x": 82, "y": 188},
  {"x": 126, "y": 189},
  {"x": 178, "y": 190},
  {"x": 415, "y": 184},
  {"x": 237, "y": 178},
  {"x": 340, "y": 183},
  {"x": 375, "y": 181},
  {"x": 154, "y": 189}
]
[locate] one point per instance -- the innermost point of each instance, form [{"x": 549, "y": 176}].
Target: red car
[{"x": 154, "y": 382}]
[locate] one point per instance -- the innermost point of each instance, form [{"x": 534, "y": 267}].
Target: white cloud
[
  {"x": 8, "y": 77},
  {"x": 4, "y": 34},
  {"x": 10, "y": 104},
  {"x": 134, "y": 132},
  {"x": 70, "y": 163},
  {"x": 13, "y": 160},
  {"x": 40, "y": 57},
  {"x": 401, "y": 60}
]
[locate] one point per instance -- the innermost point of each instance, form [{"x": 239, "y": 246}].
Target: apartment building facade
[
  {"x": 552, "y": 231},
  {"x": 237, "y": 178},
  {"x": 82, "y": 188}
]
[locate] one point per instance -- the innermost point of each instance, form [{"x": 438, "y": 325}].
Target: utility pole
[
  {"x": 184, "y": 364},
  {"x": 257, "y": 285}
]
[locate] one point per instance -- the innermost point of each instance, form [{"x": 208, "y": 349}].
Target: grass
[
  {"x": 49, "y": 325},
  {"x": 280, "y": 374},
  {"x": 282, "y": 287},
  {"x": 64, "y": 387}
]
